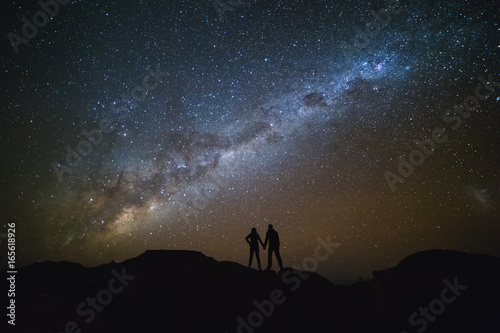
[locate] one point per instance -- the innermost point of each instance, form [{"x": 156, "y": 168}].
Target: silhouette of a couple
[{"x": 274, "y": 246}]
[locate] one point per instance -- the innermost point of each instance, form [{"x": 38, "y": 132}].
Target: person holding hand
[{"x": 253, "y": 239}]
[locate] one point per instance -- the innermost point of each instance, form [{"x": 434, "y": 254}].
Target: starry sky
[{"x": 140, "y": 124}]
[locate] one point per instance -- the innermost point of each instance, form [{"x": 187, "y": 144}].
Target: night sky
[{"x": 198, "y": 129}]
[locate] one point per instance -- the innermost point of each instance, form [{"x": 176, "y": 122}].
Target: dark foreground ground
[{"x": 185, "y": 291}]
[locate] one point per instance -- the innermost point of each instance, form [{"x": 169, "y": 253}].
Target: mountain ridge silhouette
[{"x": 187, "y": 291}]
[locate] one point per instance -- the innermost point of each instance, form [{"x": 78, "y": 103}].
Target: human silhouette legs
[
  {"x": 270, "y": 257},
  {"x": 278, "y": 257},
  {"x": 251, "y": 257},
  {"x": 256, "y": 257}
]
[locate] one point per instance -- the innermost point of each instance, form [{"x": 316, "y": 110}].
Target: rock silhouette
[{"x": 186, "y": 291}]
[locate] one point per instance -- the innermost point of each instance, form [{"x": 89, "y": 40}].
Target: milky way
[{"x": 200, "y": 129}]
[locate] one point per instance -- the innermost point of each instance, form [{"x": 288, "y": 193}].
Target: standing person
[
  {"x": 274, "y": 246},
  {"x": 253, "y": 239}
]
